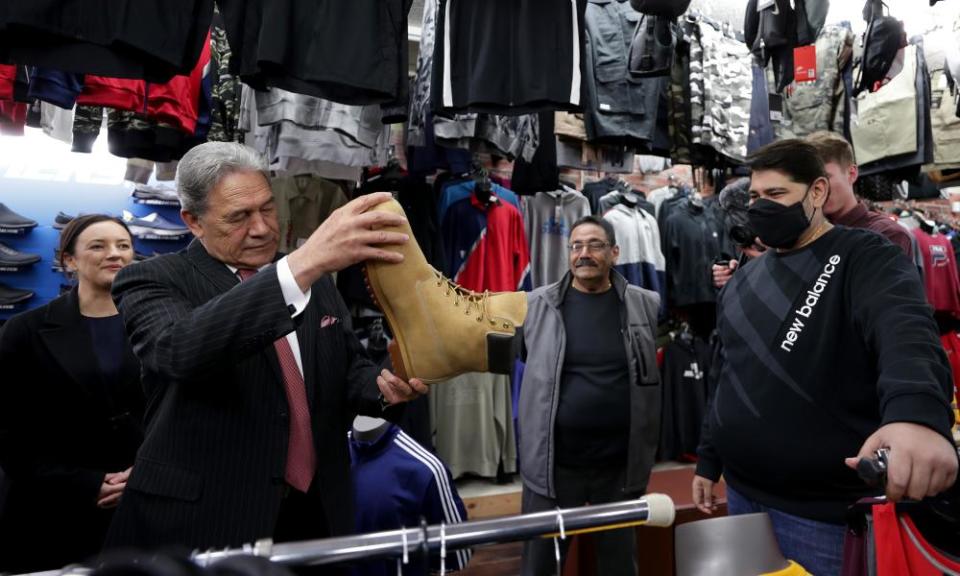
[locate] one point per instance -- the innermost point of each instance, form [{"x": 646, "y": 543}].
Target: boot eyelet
[
  {"x": 493, "y": 323},
  {"x": 506, "y": 326},
  {"x": 479, "y": 319}
]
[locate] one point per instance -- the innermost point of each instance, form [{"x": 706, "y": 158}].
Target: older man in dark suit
[{"x": 251, "y": 371}]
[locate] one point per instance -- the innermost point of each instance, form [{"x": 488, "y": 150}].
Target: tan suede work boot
[{"x": 440, "y": 329}]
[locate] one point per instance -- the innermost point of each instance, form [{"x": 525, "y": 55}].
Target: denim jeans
[
  {"x": 761, "y": 128},
  {"x": 817, "y": 546}
]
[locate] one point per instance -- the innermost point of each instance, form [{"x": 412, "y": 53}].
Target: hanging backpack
[
  {"x": 770, "y": 29},
  {"x": 882, "y": 40},
  {"x": 654, "y": 43},
  {"x": 655, "y": 38},
  {"x": 751, "y": 25},
  {"x": 666, "y": 8},
  {"x": 811, "y": 16}
]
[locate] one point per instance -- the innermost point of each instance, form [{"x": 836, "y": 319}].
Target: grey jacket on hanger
[{"x": 618, "y": 109}]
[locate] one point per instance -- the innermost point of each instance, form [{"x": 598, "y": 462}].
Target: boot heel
[
  {"x": 500, "y": 353},
  {"x": 396, "y": 358}
]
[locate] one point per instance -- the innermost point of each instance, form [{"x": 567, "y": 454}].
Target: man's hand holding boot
[
  {"x": 395, "y": 390},
  {"x": 350, "y": 235}
]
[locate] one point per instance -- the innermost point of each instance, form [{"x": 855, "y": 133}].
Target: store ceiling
[
  {"x": 917, "y": 14},
  {"x": 730, "y": 11},
  {"x": 723, "y": 10}
]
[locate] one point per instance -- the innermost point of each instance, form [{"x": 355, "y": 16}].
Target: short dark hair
[
  {"x": 798, "y": 160},
  {"x": 832, "y": 148},
  {"x": 72, "y": 231},
  {"x": 597, "y": 221}
]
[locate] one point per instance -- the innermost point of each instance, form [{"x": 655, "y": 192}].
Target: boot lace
[{"x": 471, "y": 300}]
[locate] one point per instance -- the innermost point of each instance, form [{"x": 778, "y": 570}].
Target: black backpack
[
  {"x": 653, "y": 46},
  {"x": 811, "y": 16},
  {"x": 882, "y": 40}
]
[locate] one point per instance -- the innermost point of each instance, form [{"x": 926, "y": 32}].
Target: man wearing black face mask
[{"x": 830, "y": 352}]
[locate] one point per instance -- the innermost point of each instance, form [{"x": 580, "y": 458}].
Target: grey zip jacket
[{"x": 543, "y": 347}]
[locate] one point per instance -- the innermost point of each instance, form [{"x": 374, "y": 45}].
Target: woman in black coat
[{"x": 71, "y": 408}]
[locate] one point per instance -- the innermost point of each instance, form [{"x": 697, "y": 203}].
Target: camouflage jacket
[
  {"x": 86, "y": 127},
  {"x": 420, "y": 91},
  {"x": 727, "y": 92},
  {"x": 812, "y": 106},
  {"x": 226, "y": 91}
]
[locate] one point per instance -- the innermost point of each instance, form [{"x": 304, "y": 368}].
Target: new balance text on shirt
[{"x": 813, "y": 297}]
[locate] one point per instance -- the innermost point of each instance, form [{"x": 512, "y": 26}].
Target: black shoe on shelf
[
  {"x": 62, "y": 220},
  {"x": 10, "y": 258},
  {"x": 13, "y": 221},
  {"x": 10, "y": 296}
]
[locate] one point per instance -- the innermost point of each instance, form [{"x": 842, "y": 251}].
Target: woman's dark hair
[
  {"x": 798, "y": 160},
  {"x": 72, "y": 231}
]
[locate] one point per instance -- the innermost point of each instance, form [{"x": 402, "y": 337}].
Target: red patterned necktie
[{"x": 301, "y": 457}]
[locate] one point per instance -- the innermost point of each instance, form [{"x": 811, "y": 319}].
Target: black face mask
[{"x": 779, "y": 226}]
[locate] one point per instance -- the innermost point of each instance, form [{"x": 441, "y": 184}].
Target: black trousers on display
[{"x": 616, "y": 549}]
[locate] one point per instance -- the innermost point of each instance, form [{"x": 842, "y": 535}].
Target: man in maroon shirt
[{"x": 843, "y": 207}]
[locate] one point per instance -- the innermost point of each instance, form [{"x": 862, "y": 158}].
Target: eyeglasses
[{"x": 592, "y": 246}]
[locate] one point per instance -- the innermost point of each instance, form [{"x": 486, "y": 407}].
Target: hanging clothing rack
[{"x": 651, "y": 510}]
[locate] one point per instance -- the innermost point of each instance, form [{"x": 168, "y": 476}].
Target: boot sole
[{"x": 396, "y": 346}]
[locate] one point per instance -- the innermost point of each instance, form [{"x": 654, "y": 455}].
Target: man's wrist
[{"x": 303, "y": 272}]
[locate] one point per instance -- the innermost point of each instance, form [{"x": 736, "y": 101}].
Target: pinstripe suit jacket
[{"x": 210, "y": 470}]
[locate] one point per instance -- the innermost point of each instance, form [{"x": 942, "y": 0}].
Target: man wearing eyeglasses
[{"x": 589, "y": 412}]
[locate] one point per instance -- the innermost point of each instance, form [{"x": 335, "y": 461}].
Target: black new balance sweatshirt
[{"x": 821, "y": 347}]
